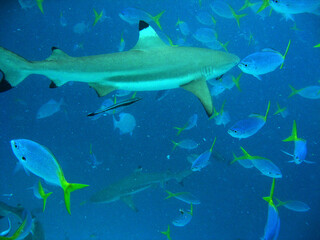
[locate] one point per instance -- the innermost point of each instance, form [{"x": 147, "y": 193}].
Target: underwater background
[{"x": 231, "y": 196}]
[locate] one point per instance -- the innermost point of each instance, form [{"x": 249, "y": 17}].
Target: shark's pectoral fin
[
  {"x": 200, "y": 89},
  {"x": 128, "y": 200},
  {"x": 102, "y": 90}
]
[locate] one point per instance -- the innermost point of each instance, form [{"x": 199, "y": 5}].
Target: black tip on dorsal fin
[
  {"x": 143, "y": 25},
  {"x": 54, "y": 48},
  {"x": 52, "y": 85},
  {"x": 4, "y": 84}
]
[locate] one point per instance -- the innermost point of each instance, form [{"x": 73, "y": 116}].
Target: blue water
[{"x": 231, "y": 196}]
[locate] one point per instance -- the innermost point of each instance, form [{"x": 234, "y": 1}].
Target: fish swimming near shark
[
  {"x": 32, "y": 230},
  {"x": 150, "y": 65},
  {"x": 136, "y": 182}
]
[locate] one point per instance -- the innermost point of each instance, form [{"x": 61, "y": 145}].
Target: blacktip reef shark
[
  {"x": 150, "y": 65},
  {"x": 136, "y": 182}
]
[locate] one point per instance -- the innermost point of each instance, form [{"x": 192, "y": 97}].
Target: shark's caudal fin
[{"x": 12, "y": 67}]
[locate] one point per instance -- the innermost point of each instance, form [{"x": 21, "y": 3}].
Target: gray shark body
[
  {"x": 150, "y": 65},
  {"x": 134, "y": 183}
]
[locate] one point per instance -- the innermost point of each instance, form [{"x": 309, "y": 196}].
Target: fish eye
[{"x": 23, "y": 158}]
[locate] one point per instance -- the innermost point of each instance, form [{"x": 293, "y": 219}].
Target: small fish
[
  {"x": 300, "y": 146},
  {"x": 81, "y": 28},
  {"x": 97, "y": 17},
  {"x": 264, "y": 165},
  {"x": 205, "y": 18},
  {"x": 263, "y": 62},
  {"x": 310, "y": 92},
  {"x": 26, "y": 4},
  {"x": 62, "y": 20},
  {"x": 123, "y": 103},
  {"x": 272, "y": 227},
  {"x": 185, "y": 144},
  {"x": 122, "y": 44},
  {"x": 184, "y": 217},
  {"x": 223, "y": 118},
  {"x": 191, "y": 123},
  {"x": 183, "y": 27},
  {"x": 203, "y": 160},
  {"x": 223, "y": 9},
  {"x": 281, "y": 111},
  {"x": 292, "y": 7},
  {"x": 248, "y": 127},
  {"x": 93, "y": 160},
  {"x": 49, "y": 108},
  {"x": 5, "y": 232},
  {"x": 41, "y": 162},
  {"x": 99, "y": 113},
  {"x": 134, "y": 15},
  {"x": 184, "y": 197},
  {"x": 122, "y": 93},
  {"x": 246, "y": 163},
  {"x": 296, "y": 206},
  {"x": 317, "y": 45},
  {"x": 205, "y": 35},
  {"x": 126, "y": 123},
  {"x": 167, "y": 233}
]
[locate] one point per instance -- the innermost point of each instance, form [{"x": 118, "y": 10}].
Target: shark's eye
[
  {"x": 15, "y": 145},
  {"x": 23, "y": 158}
]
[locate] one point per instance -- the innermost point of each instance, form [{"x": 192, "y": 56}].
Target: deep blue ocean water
[{"x": 231, "y": 196}]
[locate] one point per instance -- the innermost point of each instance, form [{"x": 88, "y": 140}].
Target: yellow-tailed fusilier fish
[
  {"x": 263, "y": 62},
  {"x": 247, "y": 127},
  {"x": 292, "y": 7},
  {"x": 41, "y": 162},
  {"x": 150, "y": 66}
]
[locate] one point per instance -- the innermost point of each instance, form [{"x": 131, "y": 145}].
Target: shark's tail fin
[{"x": 12, "y": 67}]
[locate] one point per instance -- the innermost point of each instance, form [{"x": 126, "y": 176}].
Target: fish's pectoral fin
[
  {"x": 102, "y": 90},
  {"x": 57, "y": 54},
  {"x": 128, "y": 200},
  {"x": 200, "y": 89}
]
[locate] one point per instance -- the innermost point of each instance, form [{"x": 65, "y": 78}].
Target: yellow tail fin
[
  {"x": 167, "y": 233},
  {"x": 156, "y": 19},
  {"x": 263, "y": 5},
  {"x": 17, "y": 233},
  {"x": 43, "y": 195},
  {"x": 236, "y": 16},
  {"x": 285, "y": 54},
  {"x": 39, "y": 3},
  {"x": 294, "y": 136},
  {"x": 293, "y": 91},
  {"x": 236, "y": 81},
  {"x": 68, "y": 188}
]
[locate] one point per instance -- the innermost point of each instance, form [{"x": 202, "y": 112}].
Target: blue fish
[
  {"x": 300, "y": 146},
  {"x": 203, "y": 160},
  {"x": 248, "y": 127},
  {"x": 310, "y": 92},
  {"x": 134, "y": 15},
  {"x": 41, "y": 162},
  {"x": 272, "y": 227},
  {"x": 183, "y": 27},
  {"x": 184, "y": 218},
  {"x": 263, "y": 62},
  {"x": 191, "y": 123},
  {"x": 296, "y": 206}
]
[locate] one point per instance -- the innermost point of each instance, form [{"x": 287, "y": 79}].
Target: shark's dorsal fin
[
  {"x": 148, "y": 38},
  {"x": 200, "y": 89},
  {"x": 57, "y": 54}
]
